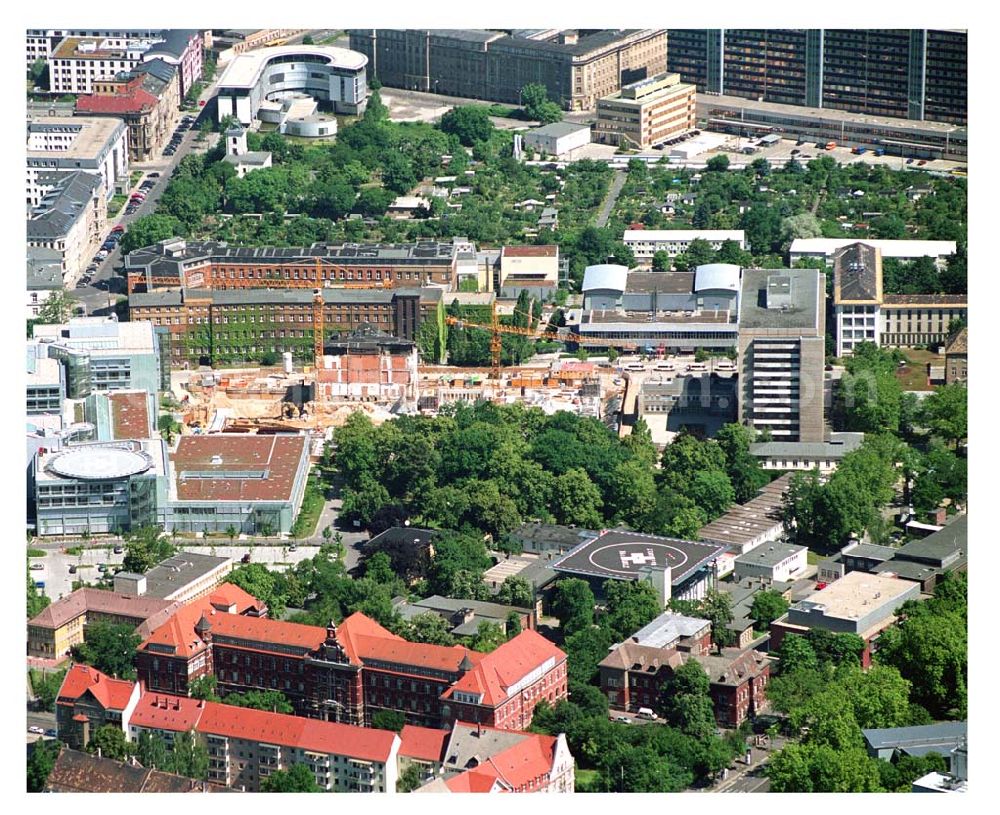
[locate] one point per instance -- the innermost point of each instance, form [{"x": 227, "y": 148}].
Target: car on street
[
  {"x": 245, "y": 558},
  {"x": 292, "y": 548},
  {"x": 119, "y": 550},
  {"x": 36, "y": 566},
  {"x": 154, "y": 175},
  {"x": 51, "y": 733},
  {"x": 623, "y": 719},
  {"x": 118, "y": 229},
  {"x": 909, "y": 161},
  {"x": 72, "y": 569},
  {"x": 39, "y": 730},
  {"x": 102, "y": 567},
  {"x": 922, "y": 162}
]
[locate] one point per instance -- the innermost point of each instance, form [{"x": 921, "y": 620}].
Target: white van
[{"x": 646, "y": 713}]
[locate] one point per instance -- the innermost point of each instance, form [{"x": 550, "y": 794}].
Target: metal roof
[
  {"x": 605, "y": 276},
  {"x": 724, "y": 276},
  {"x": 245, "y": 70}
]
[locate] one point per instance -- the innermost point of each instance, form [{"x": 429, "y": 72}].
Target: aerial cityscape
[{"x": 497, "y": 410}]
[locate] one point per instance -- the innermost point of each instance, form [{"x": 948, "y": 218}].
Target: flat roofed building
[
  {"x": 70, "y": 143},
  {"x": 646, "y": 113},
  {"x": 827, "y": 248},
  {"x": 182, "y": 578},
  {"x": 806, "y": 455},
  {"x": 928, "y": 560},
  {"x": 696, "y": 403},
  {"x": 332, "y": 75},
  {"x": 888, "y": 743},
  {"x": 645, "y": 243},
  {"x": 921, "y": 76},
  {"x": 576, "y": 67},
  {"x": 776, "y": 561},
  {"x": 558, "y": 139},
  {"x": 534, "y": 268},
  {"x": 549, "y": 539},
  {"x": 781, "y": 352},
  {"x": 78, "y": 62},
  {"x": 465, "y": 616},
  {"x": 858, "y": 603}
]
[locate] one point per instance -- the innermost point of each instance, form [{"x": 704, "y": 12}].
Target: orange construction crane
[
  {"x": 318, "y": 328},
  {"x": 497, "y": 330}
]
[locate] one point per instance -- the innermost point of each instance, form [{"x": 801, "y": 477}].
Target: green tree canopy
[
  {"x": 573, "y": 604},
  {"x": 470, "y": 123},
  {"x": 109, "y": 647},
  {"x": 111, "y": 742}
]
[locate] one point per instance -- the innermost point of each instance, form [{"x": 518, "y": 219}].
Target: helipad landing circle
[
  {"x": 92, "y": 464},
  {"x": 628, "y": 557}
]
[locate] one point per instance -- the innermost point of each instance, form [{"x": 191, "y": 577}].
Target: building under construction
[{"x": 368, "y": 365}]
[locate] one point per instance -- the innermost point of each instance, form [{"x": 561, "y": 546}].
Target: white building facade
[{"x": 645, "y": 243}]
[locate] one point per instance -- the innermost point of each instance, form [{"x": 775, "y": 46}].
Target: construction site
[{"x": 379, "y": 374}]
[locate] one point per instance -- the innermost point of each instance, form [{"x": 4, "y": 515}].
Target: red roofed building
[
  {"x": 503, "y": 689},
  {"x": 348, "y": 673},
  {"x": 246, "y": 745},
  {"x": 88, "y": 700},
  {"x": 487, "y": 759}
]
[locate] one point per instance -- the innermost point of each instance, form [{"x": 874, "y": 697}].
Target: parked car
[
  {"x": 623, "y": 719},
  {"x": 909, "y": 161},
  {"x": 646, "y": 713},
  {"x": 154, "y": 175},
  {"x": 39, "y": 730},
  {"x": 922, "y": 162},
  {"x": 118, "y": 230},
  {"x": 72, "y": 569},
  {"x": 119, "y": 550},
  {"x": 245, "y": 558},
  {"x": 102, "y": 568},
  {"x": 35, "y": 567},
  {"x": 292, "y": 547},
  {"x": 51, "y": 733}
]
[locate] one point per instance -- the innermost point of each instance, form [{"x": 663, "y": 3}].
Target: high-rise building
[
  {"x": 781, "y": 352},
  {"x": 890, "y": 72}
]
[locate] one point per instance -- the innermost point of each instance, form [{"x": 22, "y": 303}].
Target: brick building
[
  {"x": 89, "y": 700},
  {"x": 177, "y": 263},
  {"x": 736, "y": 683},
  {"x": 347, "y": 673}
]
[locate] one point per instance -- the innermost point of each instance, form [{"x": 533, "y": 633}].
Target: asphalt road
[
  {"x": 99, "y": 297},
  {"x": 609, "y": 203}
]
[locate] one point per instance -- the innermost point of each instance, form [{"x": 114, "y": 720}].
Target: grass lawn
[
  {"x": 115, "y": 205},
  {"x": 134, "y": 177},
  {"x": 312, "y": 508},
  {"x": 913, "y": 376},
  {"x": 37, "y": 553},
  {"x": 585, "y": 779},
  {"x": 812, "y": 558}
]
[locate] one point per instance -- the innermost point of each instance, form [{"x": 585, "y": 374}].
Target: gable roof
[
  {"x": 423, "y": 743},
  {"x": 75, "y": 771},
  {"x": 111, "y": 694},
  {"x": 98, "y": 600},
  {"x": 176, "y": 714},
  {"x": 499, "y": 670}
]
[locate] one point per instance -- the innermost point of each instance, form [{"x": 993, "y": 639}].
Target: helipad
[
  {"x": 99, "y": 464},
  {"x": 623, "y": 555}
]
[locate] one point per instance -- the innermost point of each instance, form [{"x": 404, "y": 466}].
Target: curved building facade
[{"x": 333, "y": 75}]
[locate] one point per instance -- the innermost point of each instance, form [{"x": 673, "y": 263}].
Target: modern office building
[
  {"x": 781, "y": 352},
  {"x": 177, "y": 263},
  {"x": 99, "y": 488},
  {"x": 576, "y": 67},
  {"x": 65, "y": 144},
  {"x": 70, "y": 218},
  {"x": 901, "y": 73},
  {"x": 646, "y": 113},
  {"x": 101, "y": 354},
  {"x": 696, "y": 404},
  {"x": 335, "y": 76},
  {"x": 645, "y": 243},
  {"x": 774, "y": 561},
  {"x": 670, "y": 310}
]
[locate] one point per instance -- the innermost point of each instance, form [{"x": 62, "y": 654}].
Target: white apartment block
[
  {"x": 41, "y": 42},
  {"x": 62, "y": 144},
  {"x": 827, "y": 248},
  {"x": 645, "y": 243},
  {"x": 77, "y": 62}
]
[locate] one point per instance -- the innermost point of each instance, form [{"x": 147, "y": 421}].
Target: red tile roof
[
  {"x": 528, "y": 760},
  {"x": 547, "y": 251},
  {"x": 130, "y": 414},
  {"x": 225, "y": 456},
  {"x": 423, "y": 743},
  {"x": 112, "y": 694},
  {"x": 135, "y": 100},
  {"x": 159, "y": 711},
  {"x": 263, "y": 630},
  {"x": 178, "y": 630},
  {"x": 416, "y": 654},
  {"x": 500, "y": 669},
  {"x": 364, "y": 743}
]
